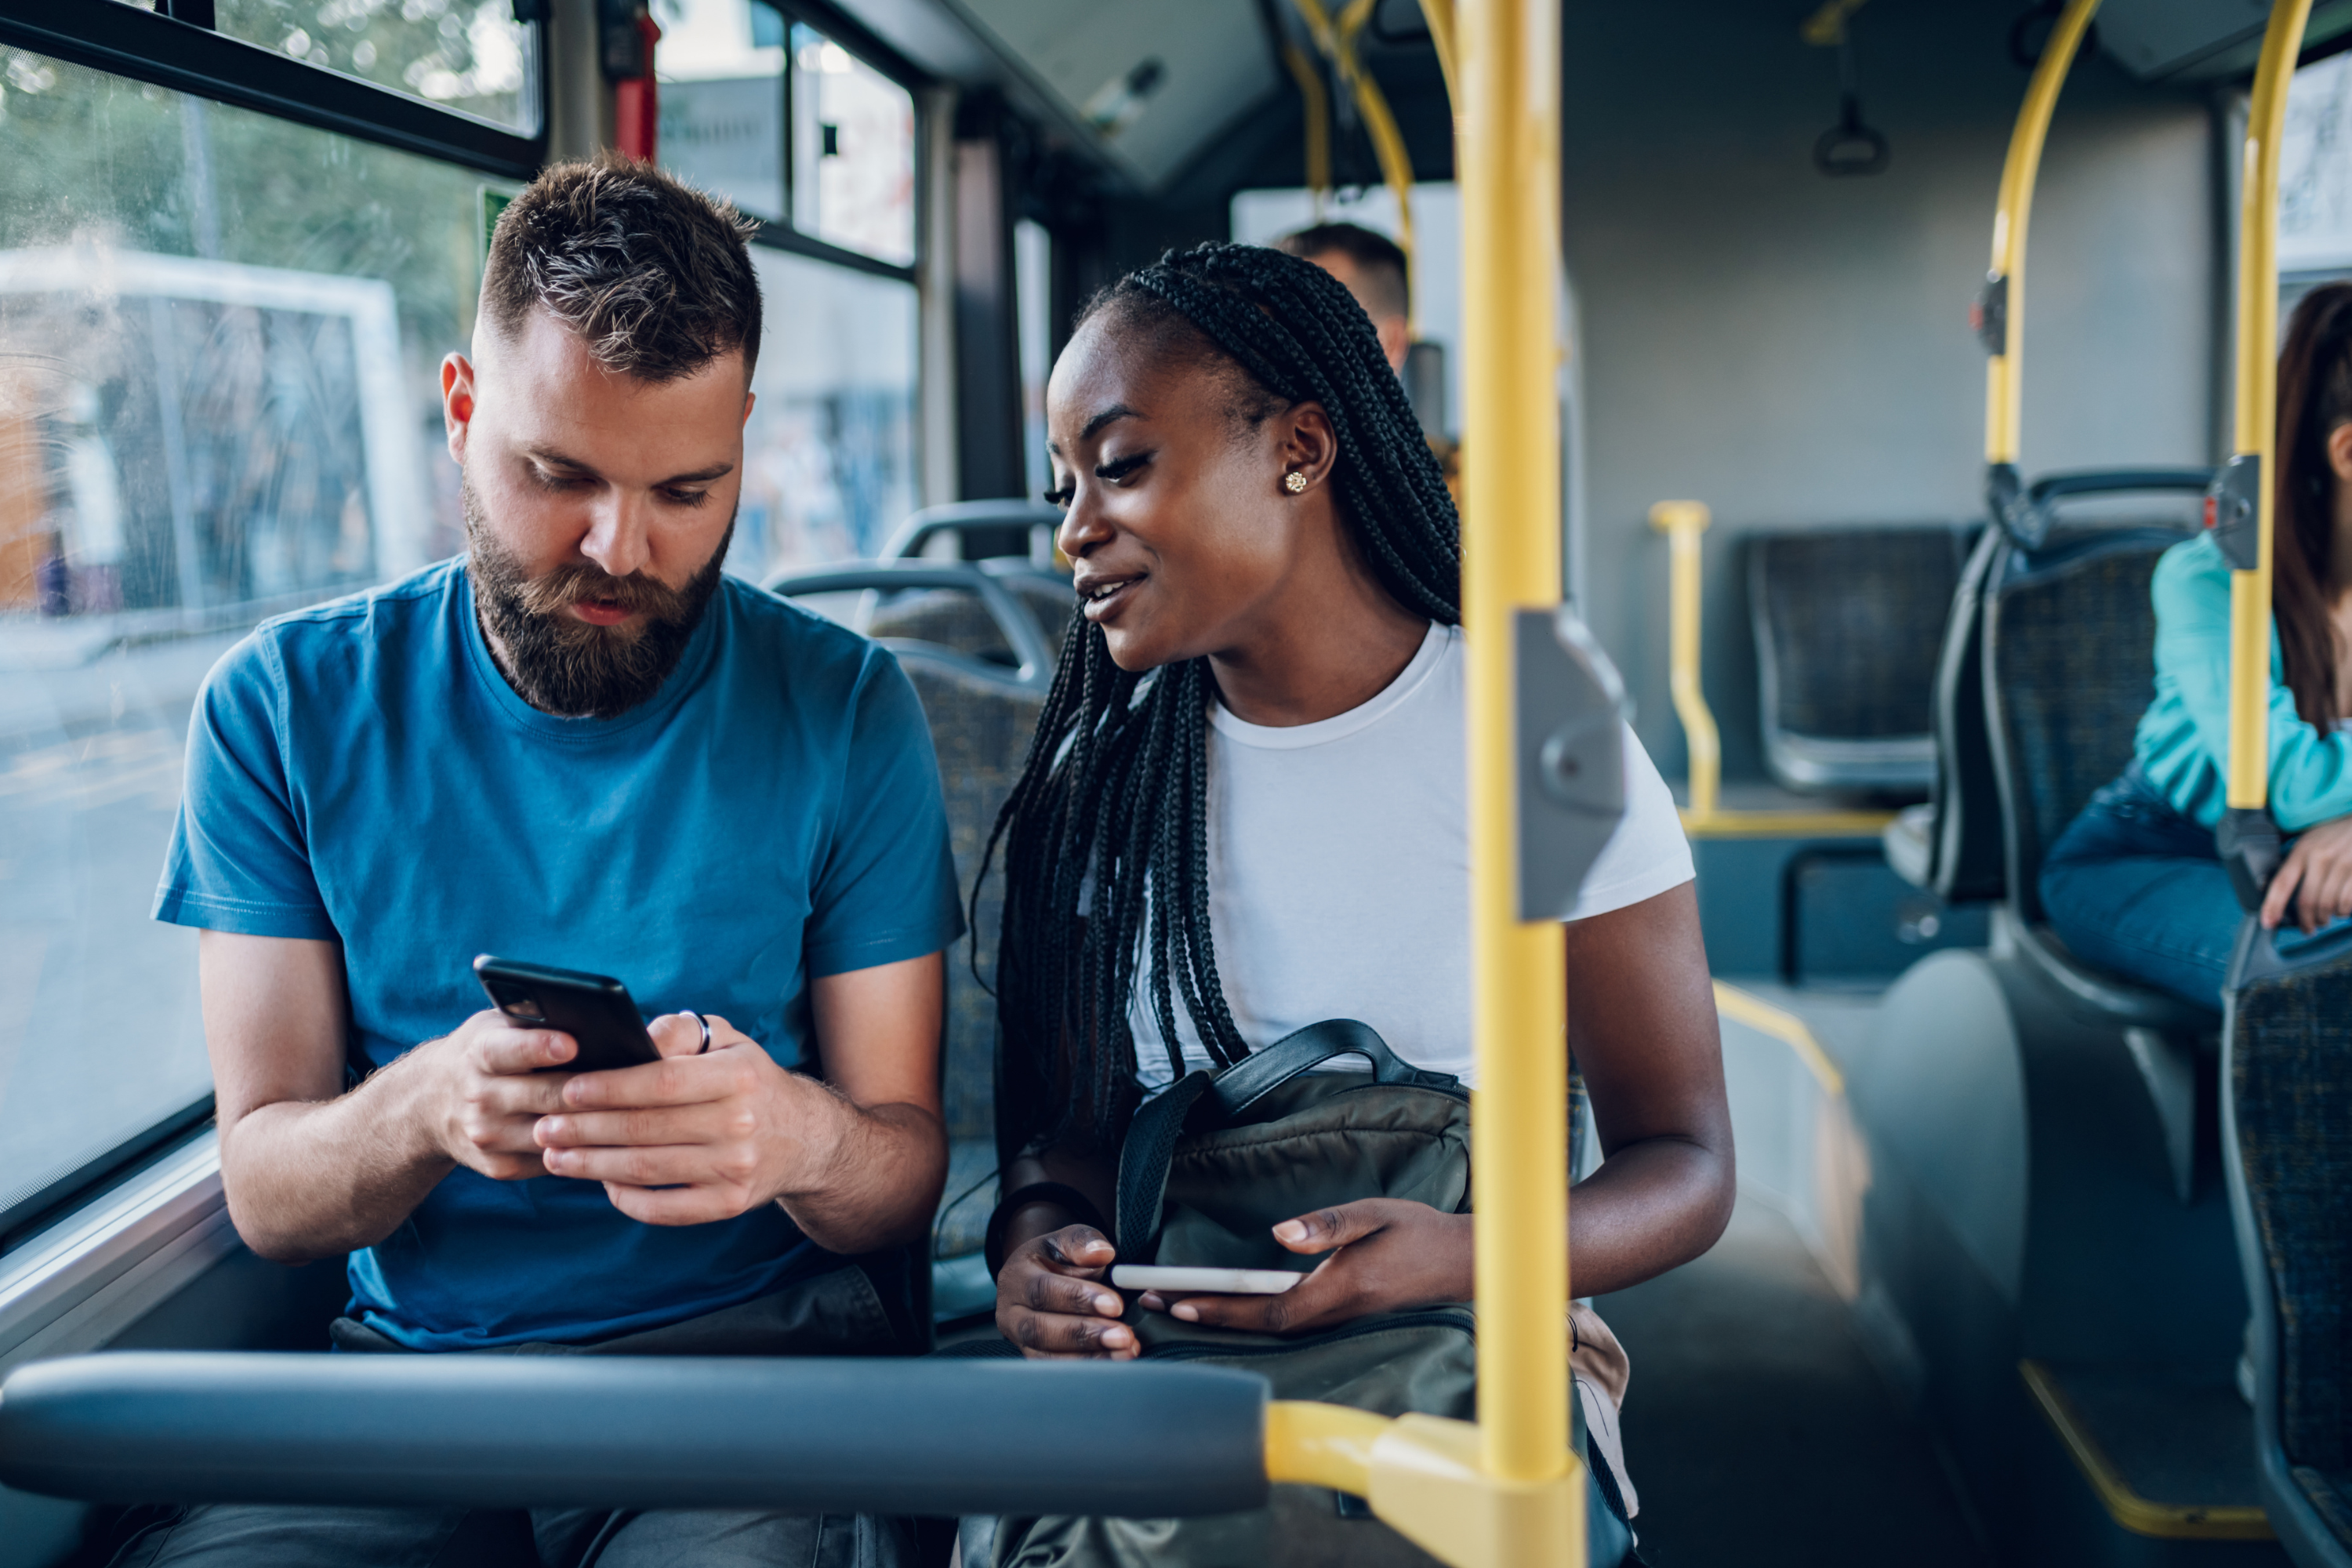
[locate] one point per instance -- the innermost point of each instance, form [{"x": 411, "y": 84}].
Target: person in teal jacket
[{"x": 2133, "y": 884}]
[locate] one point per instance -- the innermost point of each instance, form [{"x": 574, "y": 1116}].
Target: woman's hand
[
  {"x": 1051, "y": 1302},
  {"x": 1386, "y": 1254},
  {"x": 2316, "y": 874}
]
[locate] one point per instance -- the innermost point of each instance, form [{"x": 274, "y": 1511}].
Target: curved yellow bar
[
  {"x": 1682, "y": 521},
  {"x": 2004, "y": 385},
  {"x": 1439, "y": 14},
  {"x": 2257, "y": 402},
  {"x": 1322, "y": 1444},
  {"x": 1316, "y": 104},
  {"x": 1337, "y": 39},
  {"x": 1509, "y": 167}
]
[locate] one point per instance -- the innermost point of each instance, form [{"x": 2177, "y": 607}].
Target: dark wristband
[{"x": 1080, "y": 1207}]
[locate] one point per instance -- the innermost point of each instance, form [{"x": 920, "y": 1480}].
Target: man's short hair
[
  {"x": 1377, "y": 258},
  {"x": 652, "y": 275}
]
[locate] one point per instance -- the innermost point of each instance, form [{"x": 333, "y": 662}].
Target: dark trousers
[{"x": 840, "y": 1314}]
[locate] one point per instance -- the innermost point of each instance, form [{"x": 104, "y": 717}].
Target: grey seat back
[
  {"x": 1015, "y": 527},
  {"x": 2070, "y": 639},
  {"x": 979, "y": 663},
  {"x": 1848, "y": 626},
  {"x": 1956, "y": 845},
  {"x": 1966, "y": 857},
  {"x": 2289, "y": 1126}
]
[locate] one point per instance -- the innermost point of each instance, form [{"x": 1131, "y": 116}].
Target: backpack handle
[{"x": 1151, "y": 1137}]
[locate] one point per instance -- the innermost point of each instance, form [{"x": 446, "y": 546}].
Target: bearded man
[{"x": 578, "y": 745}]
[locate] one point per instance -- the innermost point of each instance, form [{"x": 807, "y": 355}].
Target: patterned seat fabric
[
  {"x": 2331, "y": 1498},
  {"x": 1849, "y": 625},
  {"x": 981, "y": 734},
  {"x": 2290, "y": 1066},
  {"x": 952, "y": 620},
  {"x": 2071, "y": 645}
]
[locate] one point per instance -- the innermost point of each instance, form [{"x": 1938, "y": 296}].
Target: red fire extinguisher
[{"x": 636, "y": 108}]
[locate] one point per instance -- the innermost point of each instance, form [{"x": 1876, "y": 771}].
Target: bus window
[
  {"x": 829, "y": 456},
  {"x": 217, "y": 340},
  {"x": 471, "y": 56},
  {"x": 853, "y": 151},
  {"x": 721, "y": 68}
]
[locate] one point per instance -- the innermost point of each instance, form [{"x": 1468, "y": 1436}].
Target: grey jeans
[{"x": 838, "y": 1313}]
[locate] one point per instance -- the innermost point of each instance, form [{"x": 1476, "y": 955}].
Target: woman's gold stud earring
[{"x": 1295, "y": 482}]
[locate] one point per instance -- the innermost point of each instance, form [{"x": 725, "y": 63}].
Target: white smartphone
[{"x": 1204, "y": 1281}]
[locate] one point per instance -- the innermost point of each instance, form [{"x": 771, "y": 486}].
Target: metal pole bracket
[{"x": 1569, "y": 708}]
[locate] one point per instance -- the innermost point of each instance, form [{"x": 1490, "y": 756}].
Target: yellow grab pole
[
  {"x": 2257, "y": 404},
  {"x": 1439, "y": 17},
  {"x": 1682, "y": 521},
  {"x": 1316, "y": 104},
  {"x": 1509, "y": 163},
  {"x": 2005, "y": 289},
  {"x": 1339, "y": 40}
]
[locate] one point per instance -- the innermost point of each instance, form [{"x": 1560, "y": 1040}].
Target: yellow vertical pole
[
  {"x": 2257, "y": 402},
  {"x": 2004, "y": 389},
  {"x": 1315, "y": 103},
  {"x": 1682, "y": 521},
  {"x": 1509, "y": 171}
]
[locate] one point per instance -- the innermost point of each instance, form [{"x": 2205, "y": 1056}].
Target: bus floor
[{"x": 1757, "y": 1431}]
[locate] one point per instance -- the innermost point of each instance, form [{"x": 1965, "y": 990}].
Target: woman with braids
[
  {"x": 2134, "y": 885},
  {"x": 1245, "y": 811}
]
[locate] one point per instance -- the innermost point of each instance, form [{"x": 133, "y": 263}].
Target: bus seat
[
  {"x": 1951, "y": 843},
  {"x": 1846, "y": 648},
  {"x": 2288, "y": 1125},
  {"x": 1014, "y": 527},
  {"x": 1045, "y": 591},
  {"x": 981, "y": 713},
  {"x": 2069, "y": 641}
]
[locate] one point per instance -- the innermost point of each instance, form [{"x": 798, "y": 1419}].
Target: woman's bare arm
[{"x": 1642, "y": 1024}]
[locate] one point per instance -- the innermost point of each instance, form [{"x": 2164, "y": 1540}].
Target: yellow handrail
[
  {"x": 1682, "y": 521},
  {"x": 2004, "y": 371},
  {"x": 1510, "y": 210},
  {"x": 1439, "y": 15},
  {"x": 1315, "y": 104},
  {"x": 1508, "y": 1492},
  {"x": 1337, "y": 40},
  {"x": 2257, "y": 404}
]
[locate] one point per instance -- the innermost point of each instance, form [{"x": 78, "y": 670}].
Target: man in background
[{"x": 1373, "y": 269}]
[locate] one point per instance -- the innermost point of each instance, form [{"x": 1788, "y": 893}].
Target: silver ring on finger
[{"x": 706, "y": 1033}]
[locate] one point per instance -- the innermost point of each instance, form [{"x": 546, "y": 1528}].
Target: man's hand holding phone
[
  {"x": 696, "y": 1136},
  {"x": 495, "y": 1084}
]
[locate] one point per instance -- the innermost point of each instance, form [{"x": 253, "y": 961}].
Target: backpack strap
[
  {"x": 1260, "y": 1073},
  {"x": 1151, "y": 1137},
  {"x": 1143, "y": 1161}
]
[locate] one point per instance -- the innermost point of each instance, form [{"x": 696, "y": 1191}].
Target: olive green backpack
[{"x": 1209, "y": 1167}]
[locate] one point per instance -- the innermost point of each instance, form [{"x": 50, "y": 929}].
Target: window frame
[
  {"x": 839, "y": 28},
  {"x": 134, "y": 45},
  {"x": 125, "y": 41},
  {"x": 145, "y": 46}
]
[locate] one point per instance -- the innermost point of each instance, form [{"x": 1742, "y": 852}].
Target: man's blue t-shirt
[{"x": 361, "y": 772}]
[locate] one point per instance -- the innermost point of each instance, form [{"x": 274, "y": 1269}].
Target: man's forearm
[
  {"x": 308, "y": 1180},
  {"x": 882, "y": 1183}
]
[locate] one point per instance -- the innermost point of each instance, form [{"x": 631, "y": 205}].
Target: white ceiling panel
[
  {"x": 1213, "y": 63},
  {"x": 2200, "y": 38}
]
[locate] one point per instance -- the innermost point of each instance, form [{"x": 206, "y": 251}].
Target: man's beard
[{"x": 561, "y": 664}]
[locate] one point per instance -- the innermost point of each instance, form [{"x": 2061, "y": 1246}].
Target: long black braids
[{"x": 1106, "y": 835}]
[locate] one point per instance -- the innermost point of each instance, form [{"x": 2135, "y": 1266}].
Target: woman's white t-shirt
[{"x": 1340, "y": 870}]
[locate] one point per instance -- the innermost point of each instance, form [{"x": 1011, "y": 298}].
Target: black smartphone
[{"x": 594, "y": 1009}]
